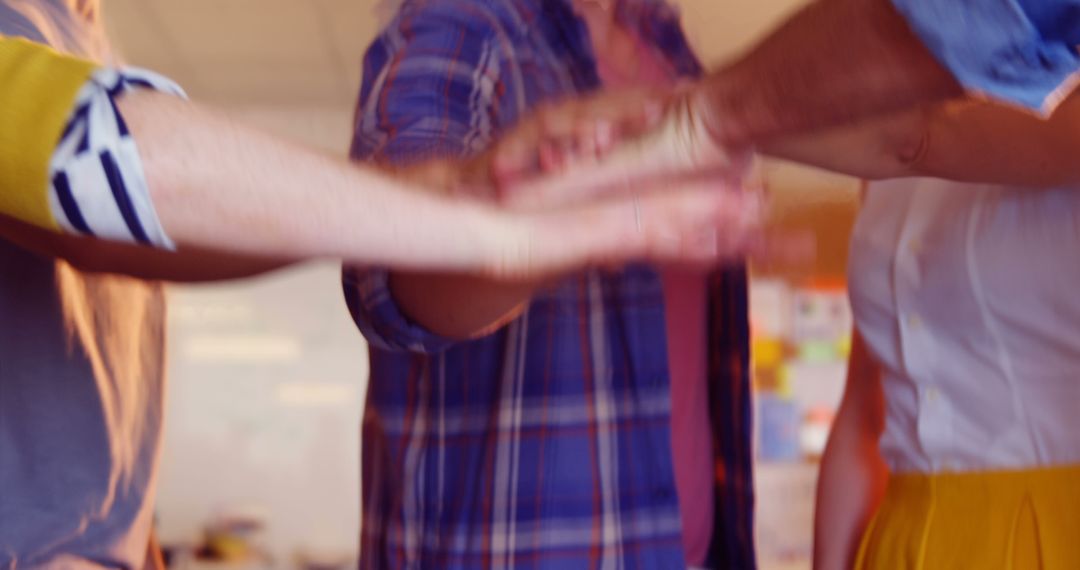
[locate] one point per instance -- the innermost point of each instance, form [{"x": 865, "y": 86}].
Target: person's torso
[
  {"x": 965, "y": 294},
  {"x": 81, "y": 382},
  {"x": 547, "y": 441},
  {"x": 626, "y": 61},
  {"x": 551, "y": 434}
]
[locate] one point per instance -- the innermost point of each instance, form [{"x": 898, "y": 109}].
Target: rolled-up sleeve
[
  {"x": 379, "y": 318},
  {"x": 431, "y": 89},
  {"x": 1022, "y": 52},
  {"x": 67, "y": 160}
]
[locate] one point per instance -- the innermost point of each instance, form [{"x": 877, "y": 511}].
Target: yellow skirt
[{"x": 1007, "y": 520}]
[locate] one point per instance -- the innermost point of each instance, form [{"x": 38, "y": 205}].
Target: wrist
[
  {"x": 435, "y": 176},
  {"x": 503, "y": 241},
  {"x": 715, "y": 142},
  {"x": 456, "y": 178},
  {"x": 728, "y": 118}
]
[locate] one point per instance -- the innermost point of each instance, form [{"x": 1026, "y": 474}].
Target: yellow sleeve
[{"x": 37, "y": 91}]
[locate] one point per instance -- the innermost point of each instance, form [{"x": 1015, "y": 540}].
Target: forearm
[
  {"x": 187, "y": 265},
  {"x": 226, "y": 193},
  {"x": 458, "y": 306},
  {"x": 218, "y": 185},
  {"x": 967, "y": 141},
  {"x": 990, "y": 143},
  {"x": 453, "y": 305},
  {"x": 853, "y": 474},
  {"x": 873, "y": 149},
  {"x": 834, "y": 62},
  {"x": 851, "y": 482}
]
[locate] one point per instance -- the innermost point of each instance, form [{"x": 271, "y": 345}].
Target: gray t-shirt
[{"x": 81, "y": 381}]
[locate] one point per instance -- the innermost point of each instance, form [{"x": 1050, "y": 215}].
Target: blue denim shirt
[{"x": 1019, "y": 51}]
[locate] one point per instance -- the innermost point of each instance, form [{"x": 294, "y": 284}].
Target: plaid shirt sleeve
[
  {"x": 732, "y": 418},
  {"x": 427, "y": 93}
]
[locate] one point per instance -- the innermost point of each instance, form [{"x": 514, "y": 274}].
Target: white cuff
[{"x": 97, "y": 184}]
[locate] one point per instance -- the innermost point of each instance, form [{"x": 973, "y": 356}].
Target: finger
[
  {"x": 552, "y": 156},
  {"x": 699, "y": 226},
  {"x": 627, "y": 109},
  {"x": 614, "y": 232},
  {"x": 587, "y": 143},
  {"x": 606, "y": 136},
  {"x": 692, "y": 225},
  {"x": 632, "y": 109},
  {"x": 517, "y": 154},
  {"x": 602, "y": 124},
  {"x": 679, "y": 149},
  {"x": 595, "y": 124},
  {"x": 732, "y": 230}
]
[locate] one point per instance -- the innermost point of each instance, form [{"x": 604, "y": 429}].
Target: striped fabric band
[{"x": 97, "y": 184}]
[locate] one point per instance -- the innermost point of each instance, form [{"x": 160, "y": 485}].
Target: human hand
[
  {"x": 702, "y": 221},
  {"x": 543, "y": 142},
  {"x": 698, "y": 219},
  {"x": 702, "y": 224},
  {"x": 576, "y": 150},
  {"x": 558, "y": 134},
  {"x": 619, "y": 142},
  {"x": 692, "y": 225}
]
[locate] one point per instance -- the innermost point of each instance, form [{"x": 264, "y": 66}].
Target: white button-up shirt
[{"x": 969, "y": 298}]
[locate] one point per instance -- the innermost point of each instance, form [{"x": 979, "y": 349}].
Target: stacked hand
[
  {"x": 614, "y": 178},
  {"x": 615, "y": 143}
]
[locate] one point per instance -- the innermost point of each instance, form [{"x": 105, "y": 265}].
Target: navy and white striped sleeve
[
  {"x": 433, "y": 88},
  {"x": 97, "y": 184}
]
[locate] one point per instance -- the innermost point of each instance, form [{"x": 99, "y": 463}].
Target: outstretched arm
[
  {"x": 212, "y": 185},
  {"x": 839, "y": 62},
  {"x": 102, "y": 256},
  {"x": 968, "y": 141},
  {"x": 853, "y": 475},
  {"x": 833, "y": 62}
]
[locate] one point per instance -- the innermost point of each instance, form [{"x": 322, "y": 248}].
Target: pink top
[{"x": 685, "y": 300}]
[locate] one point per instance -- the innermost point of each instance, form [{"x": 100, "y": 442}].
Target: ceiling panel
[
  {"x": 244, "y": 31},
  {"x": 139, "y": 37},
  {"x": 195, "y": 40},
  {"x": 720, "y": 29},
  {"x": 354, "y": 23},
  {"x": 258, "y": 51},
  {"x": 305, "y": 55},
  {"x": 312, "y": 82}
]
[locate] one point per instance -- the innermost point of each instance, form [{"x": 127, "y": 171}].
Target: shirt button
[
  {"x": 933, "y": 395},
  {"x": 914, "y": 322}
]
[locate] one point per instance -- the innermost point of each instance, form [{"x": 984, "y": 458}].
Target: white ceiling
[
  {"x": 263, "y": 52},
  {"x": 308, "y": 52},
  {"x": 293, "y": 66}
]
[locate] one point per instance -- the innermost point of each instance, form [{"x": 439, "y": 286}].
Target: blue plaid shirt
[{"x": 545, "y": 444}]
